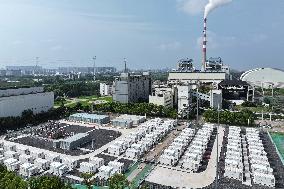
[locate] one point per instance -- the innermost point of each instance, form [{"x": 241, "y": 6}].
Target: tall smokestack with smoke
[
  {"x": 204, "y": 44},
  {"x": 211, "y": 5}
]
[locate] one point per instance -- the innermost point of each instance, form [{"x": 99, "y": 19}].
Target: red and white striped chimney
[{"x": 204, "y": 44}]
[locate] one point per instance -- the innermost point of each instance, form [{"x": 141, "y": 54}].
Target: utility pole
[
  {"x": 217, "y": 158},
  {"x": 197, "y": 102},
  {"x": 94, "y": 59}
]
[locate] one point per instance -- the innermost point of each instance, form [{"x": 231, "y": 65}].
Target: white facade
[
  {"x": 132, "y": 88},
  {"x": 264, "y": 77},
  {"x": 194, "y": 77},
  {"x": 105, "y": 89},
  {"x": 15, "y": 105},
  {"x": 20, "y": 91},
  {"x": 184, "y": 97},
  {"x": 162, "y": 98}
]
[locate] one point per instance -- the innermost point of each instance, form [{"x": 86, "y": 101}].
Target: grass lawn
[{"x": 84, "y": 100}]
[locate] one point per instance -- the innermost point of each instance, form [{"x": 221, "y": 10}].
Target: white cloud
[
  {"x": 192, "y": 7},
  {"x": 170, "y": 46},
  {"x": 260, "y": 37},
  {"x": 17, "y": 42},
  {"x": 56, "y": 48}
]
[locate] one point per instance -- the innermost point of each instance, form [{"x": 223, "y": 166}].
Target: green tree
[
  {"x": 118, "y": 181},
  {"x": 89, "y": 180},
  {"x": 47, "y": 182}
]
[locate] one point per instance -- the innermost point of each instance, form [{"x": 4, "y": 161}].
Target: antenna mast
[{"x": 94, "y": 59}]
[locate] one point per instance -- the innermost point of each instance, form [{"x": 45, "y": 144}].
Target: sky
[{"x": 150, "y": 34}]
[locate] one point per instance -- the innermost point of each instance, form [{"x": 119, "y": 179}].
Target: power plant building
[
  {"x": 132, "y": 88},
  {"x": 14, "y": 101},
  {"x": 214, "y": 72}
]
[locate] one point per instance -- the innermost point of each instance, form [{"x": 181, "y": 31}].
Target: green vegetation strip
[
  {"x": 131, "y": 169},
  {"x": 136, "y": 181},
  {"x": 79, "y": 186},
  {"x": 278, "y": 139}
]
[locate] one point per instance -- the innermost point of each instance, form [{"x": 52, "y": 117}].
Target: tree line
[
  {"x": 74, "y": 88},
  {"x": 243, "y": 118},
  {"x": 136, "y": 109}
]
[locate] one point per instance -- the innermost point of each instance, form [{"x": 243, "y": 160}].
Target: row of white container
[
  {"x": 233, "y": 155},
  {"x": 195, "y": 151},
  {"x": 173, "y": 153},
  {"x": 261, "y": 171},
  {"x": 97, "y": 164},
  {"x": 28, "y": 169},
  {"x": 11, "y": 150},
  {"x": 147, "y": 135}
]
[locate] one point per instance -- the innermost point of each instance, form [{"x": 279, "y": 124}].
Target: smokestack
[
  {"x": 204, "y": 44},
  {"x": 125, "y": 67}
]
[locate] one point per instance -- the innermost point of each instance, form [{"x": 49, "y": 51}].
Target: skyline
[{"x": 247, "y": 37}]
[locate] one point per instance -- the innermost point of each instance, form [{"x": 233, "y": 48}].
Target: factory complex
[{"x": 163, "y": 148}]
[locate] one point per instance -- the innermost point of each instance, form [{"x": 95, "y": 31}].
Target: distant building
[
  {"x": 132, "y": 88},
  {"x": 2, "y": 72},
  {"x": 14, "y": 101},
  {"x": 86, "y": 70},
  {"x": 105, "y": 89},
  {"x": 264, "y": 77},
  {"x": 161, "y": 98},
  {"x": 27, "y": 70},
  {"x": 13, "y": 72}
]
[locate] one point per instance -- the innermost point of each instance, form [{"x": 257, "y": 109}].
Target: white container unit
[
  {"x": 98, "y": 162},
  {"x": 58, "y": 169},
  {"x": 26, "y": 158},
  {"x": 28, "y": 170},
  {"x": 42, "y": 163},
  {"x": 86, "y": 167},
  {"x": 11, "y": 154}
]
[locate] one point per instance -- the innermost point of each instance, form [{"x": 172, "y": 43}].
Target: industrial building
[
  {"x": 237, "y": 91},
  {"x": 105, "y": 89},
  {"x": 132, "y": 88},
  {"x": 72, "y": 142},
  {"x": 89, "y": 118},
  {"x": 264, "y": 77},
  {"x": 14, "y": 101},
  {"x": 128, "y": 121}
]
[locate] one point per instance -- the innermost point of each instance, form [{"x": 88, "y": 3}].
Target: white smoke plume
[{"x": 212, "y": 4}]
